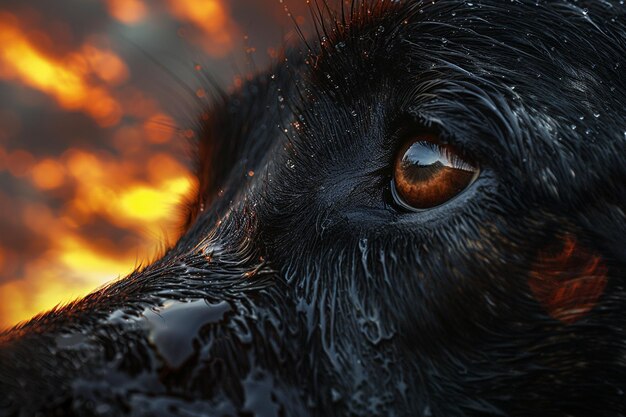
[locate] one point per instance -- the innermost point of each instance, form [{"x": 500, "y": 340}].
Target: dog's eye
[{"x": 428, "y": 173}]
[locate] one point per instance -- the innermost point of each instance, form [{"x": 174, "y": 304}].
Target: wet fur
[{"x": 340, "y": 303}]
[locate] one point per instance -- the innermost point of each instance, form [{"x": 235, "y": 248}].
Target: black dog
[{"x": 422, "y": 213}]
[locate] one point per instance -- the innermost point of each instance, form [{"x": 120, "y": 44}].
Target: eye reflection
[{"x": 428, "y": 174}]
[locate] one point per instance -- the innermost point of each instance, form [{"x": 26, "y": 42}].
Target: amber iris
[{"x": 428, "y": 174}]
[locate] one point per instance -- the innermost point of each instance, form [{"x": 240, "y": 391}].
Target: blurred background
[{"x": 95, "y": 129}]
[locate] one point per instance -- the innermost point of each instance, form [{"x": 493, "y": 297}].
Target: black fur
[{"x": 322, "y": 296}]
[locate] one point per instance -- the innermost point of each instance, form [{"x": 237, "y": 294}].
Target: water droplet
[
  {"x": 335, "y": 395},
  {"x": 363, "y": 245}
]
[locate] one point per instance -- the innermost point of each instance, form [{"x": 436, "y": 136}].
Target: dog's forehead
[
  {"x": 519, "y": 44},
  {"x": 555, "y": 66},
  {"x": 552, "y": 65},
  {"x": 530, "y": 76}
]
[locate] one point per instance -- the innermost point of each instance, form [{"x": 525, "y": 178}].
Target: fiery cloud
[
  {"x": 214, "y": 29},
  {"x": 127, "y": 11},
  {"x": 129, "y": 194},
  {"x": 142, "y": 201},
  {"x": 75, "y": 81}
]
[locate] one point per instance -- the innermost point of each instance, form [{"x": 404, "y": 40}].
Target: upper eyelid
[
  {"x": 433, "y": 124},
  {"x": 422, "y": 123}
]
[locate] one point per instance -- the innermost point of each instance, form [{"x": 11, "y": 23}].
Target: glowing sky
[{"x": 94, "y": 132}]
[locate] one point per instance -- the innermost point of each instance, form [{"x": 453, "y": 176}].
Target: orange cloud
[
  {"x": 69, "y": 81},
  {"x": 127, "y": 11},
  {"x": 211, "y": 18}
]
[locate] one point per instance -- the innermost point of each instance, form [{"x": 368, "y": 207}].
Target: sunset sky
[{"x": 95, "y": 130}]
